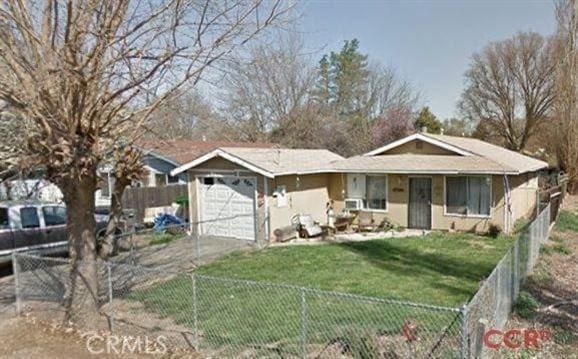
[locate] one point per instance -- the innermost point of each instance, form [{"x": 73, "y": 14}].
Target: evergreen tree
[{"x": 428, "y": 120}]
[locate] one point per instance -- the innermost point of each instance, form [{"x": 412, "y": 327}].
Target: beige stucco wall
[
  {"x": 306, "y": 194},
  {"x": 310, "y": 193},
  {"x": 398, "y": 199},
  {"x": 426, "y": 149},
  {"x": 523, "y": 192}
]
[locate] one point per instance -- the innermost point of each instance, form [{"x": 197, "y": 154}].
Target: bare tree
[
  {"x": 388, "y": 91},
  {"x": 564, "y": 139},
  {"x": 395, "y": 123},
  {"x": 188, "y": 116},
  {"x": 510, "y": 85},
  {"x": 278, "y": 96},
  {"x": 89, "y": 73},
  {"x": 270, "y": 89}
]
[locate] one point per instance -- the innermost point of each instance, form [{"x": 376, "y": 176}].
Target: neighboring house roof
[
  {"x": 179, "y": 152},
  {"x": 271, "y": 162},
  {"x": 484, "y": 157}
]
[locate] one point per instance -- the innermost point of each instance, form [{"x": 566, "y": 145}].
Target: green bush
[
  {"x": 182, "y": 200},
  {"x": 494, "y": 231},
  {"x": 526, "y": 305}
]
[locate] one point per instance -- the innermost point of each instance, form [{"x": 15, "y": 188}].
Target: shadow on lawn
[{"x": 411, "y": 262}]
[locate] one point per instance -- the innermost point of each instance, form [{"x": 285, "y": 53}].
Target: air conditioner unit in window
[{"x": 353, "y": 203}]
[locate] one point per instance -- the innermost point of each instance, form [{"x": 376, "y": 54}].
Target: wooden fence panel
[{"x": 140, "y": 198}]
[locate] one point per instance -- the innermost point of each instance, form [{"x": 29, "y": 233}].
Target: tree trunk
[
  {"x": 81, "y": 298},
  {"x": 110, "y": 242}
]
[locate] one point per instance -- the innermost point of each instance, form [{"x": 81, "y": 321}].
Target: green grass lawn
[{"x": 442, "y": 269}]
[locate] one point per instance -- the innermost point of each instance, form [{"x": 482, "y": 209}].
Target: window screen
[
  {"x": 457, "y": 195},
  {"x": 376, "y": 192},
  {"x": 29, "y": 217},
  {"x": 478, "y": 195},
  {"x": 468, "y": 195}
]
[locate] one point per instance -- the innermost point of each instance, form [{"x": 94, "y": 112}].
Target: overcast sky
[{"x": 428, "y": 42}]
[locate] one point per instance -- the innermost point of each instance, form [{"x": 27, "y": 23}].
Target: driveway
[
  {"x": 7, "y": 298},
  {"x": 183, "y": 254}
]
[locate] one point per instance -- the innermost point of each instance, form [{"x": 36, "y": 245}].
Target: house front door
[{"x": 419, "y": 203}]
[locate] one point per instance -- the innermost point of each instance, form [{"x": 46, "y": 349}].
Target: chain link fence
[
  {"x": 492, "y": 304},
  {"x": 223, "y": 317}
]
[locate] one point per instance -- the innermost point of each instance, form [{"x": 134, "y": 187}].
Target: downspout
[
  {"x": 507, "y": 204},
  {"x": 266, "y": 195}
]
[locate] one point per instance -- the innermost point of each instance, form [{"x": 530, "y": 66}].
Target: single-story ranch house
[{"x": 422, "y": 181}]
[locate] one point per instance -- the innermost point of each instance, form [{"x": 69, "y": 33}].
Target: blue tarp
[{"x": 168, "y": 221}]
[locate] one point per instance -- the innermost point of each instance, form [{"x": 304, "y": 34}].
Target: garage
[{"x": 228, "y": 206}]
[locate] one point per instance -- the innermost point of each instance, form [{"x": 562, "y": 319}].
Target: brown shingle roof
[
  {"x": 283, "y": 161},
  {"x": 471, "y": 156},
  {"x": 412, "y": 163},
  {"x": 509, "y": 160},
  {"x": 184, "y": 151}
]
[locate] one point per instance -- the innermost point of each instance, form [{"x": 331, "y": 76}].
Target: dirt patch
[
  {"x": 555, "y": 287},
  {"x": 29, "y": 337},
  {"x": 25, "y": 338}
]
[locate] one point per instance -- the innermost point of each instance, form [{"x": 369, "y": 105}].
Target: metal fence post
[
  {"x": 195, "y": 313},
  {"x": 303, "y": 326},
  {"x": 16, "y": 272},
  {"x": 132, "y": 257},
  {"x": 198, "y": 247},
  {"x": 110, "y": 296},
  {"x": 464, "y": 332}
]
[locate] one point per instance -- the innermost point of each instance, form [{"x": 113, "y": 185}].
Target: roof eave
[
  {"x": 422, "y": 137},
  {"x": 223, "y": 154}
]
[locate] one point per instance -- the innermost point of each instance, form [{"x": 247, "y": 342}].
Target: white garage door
[{"x": 228, "y": 207}]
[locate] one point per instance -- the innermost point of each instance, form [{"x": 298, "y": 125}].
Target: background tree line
[
  {"x": 344, "y": 102},
  {"x": 519, "y": 93}
]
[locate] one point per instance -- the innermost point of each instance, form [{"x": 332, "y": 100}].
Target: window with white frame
[
  {"x": 468, "y": 195},
  {"x": 370, "y": 189}
]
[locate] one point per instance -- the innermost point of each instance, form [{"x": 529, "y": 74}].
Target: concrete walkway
[{"x": 353, "y": 237}]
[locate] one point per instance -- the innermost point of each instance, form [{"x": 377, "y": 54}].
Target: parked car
[{"x": 36, "y": 226}]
